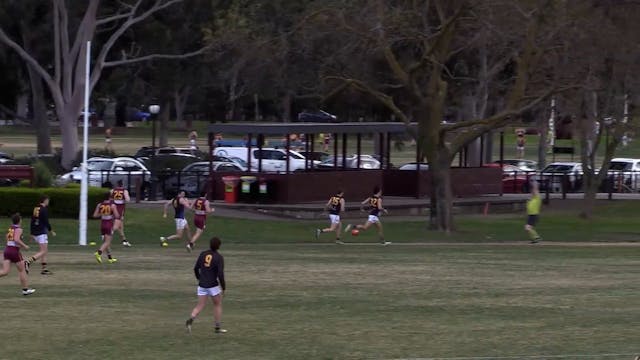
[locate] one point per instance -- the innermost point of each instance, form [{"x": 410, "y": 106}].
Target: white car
[
  {"x": 351, "y": 162},
  {"x": 554, "y": 175},
  {"x": 273, "y": 160},
  {"x": 103, "y": 172},
  {"x": 625, "y": 173},
  {"x": 414, "y": 166}
]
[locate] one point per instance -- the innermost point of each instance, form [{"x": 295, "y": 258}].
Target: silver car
[{"x": 103, "y": 172}]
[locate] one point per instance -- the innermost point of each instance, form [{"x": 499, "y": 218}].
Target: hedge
[{"x": 63, "y": 202}]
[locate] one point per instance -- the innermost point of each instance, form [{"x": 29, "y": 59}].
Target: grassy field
[
  {"x": 290, "y": 297},
  {"x": 332, "y": 302}
]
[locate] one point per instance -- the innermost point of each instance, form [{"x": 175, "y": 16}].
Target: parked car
[
  {"x": 273, "y": 160},
  {"x": 5, "y": 158},
  {"x": 414, "y": 166},
  {"x": 315, "y": 155},
  {"x": 316, "y": 116},
  {"x": 366, "y": 162},
  {"x": 193, "y": 178},
  {"x": 104, "y": 172},
  {"x": 514, "y": 179},
  {"x": 146, "y": 151},
  {"x": 524, "y": 165},
  {"x": 556, "y": 173},
  {"x": 625, "y": 173}
]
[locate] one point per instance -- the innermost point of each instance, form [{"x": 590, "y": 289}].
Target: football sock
[
  {"x": 109, "y": 256},
  {"x": 25, "y": 289},
  {"x": 31, "y": 260},
  {"x": 99, "y": 252},
  {"x": 44, "y": 266},
  {"x": 217, "y": 325}
]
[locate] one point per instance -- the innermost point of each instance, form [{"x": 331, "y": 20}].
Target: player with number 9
[{"x": 209, "y": 270}]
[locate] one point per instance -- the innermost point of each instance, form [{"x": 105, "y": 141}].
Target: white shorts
[
  {"x": 41, "y": 239},
  {"x": 214, "y": 291},
  {"x": 373, "y": 219},
  {"x": 181, "y": 224},
  {"x": 335, "y": 219}
]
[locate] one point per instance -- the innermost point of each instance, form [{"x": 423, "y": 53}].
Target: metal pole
[
  {"x": 249, "y": 138},
  {"x": 344, "y": 151},
  {"x": 84, "y": 185},
  {"x": 287, "y": 146},
  {"x": 501, "y": 148},
  {"x": 335, "y": 150},
  {"x": 388, "y": 151},
  {"x": 313, "y": 140},
  {"x": 260, "y": 138},
  {"x": 358, "y": 149}
]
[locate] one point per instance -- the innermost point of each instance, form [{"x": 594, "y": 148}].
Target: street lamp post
[{"x": 154, "y": 110}]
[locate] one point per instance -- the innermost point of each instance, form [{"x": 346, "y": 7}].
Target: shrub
[
  {"x": 42, "y": 175},
  {"x": 63, "y": 202}
]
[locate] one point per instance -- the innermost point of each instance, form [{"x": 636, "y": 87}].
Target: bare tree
[
  {"x": 418, "y": 42},
  {"x": 65, "y": 81}
]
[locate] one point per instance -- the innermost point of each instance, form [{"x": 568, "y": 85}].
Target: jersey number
[
  {"x": 335, "y": 201},
  {"x": 374, "y": 203},
  {"x": 11, "y": 234},
  {"x": 207, "y": 260},
  {"x": 118, "y": 195},
  {"x": 199, "y": 205},
  {"x": 105, "y": 209},
  {"x": 36, "y": 212}
]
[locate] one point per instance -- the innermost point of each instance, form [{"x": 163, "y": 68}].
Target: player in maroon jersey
[
  {"x": 12, "y": 254},
  {"x": 120, "y": 197},
  {"x": 201, "y": 207},
  {"x": 107, "y": 212}
]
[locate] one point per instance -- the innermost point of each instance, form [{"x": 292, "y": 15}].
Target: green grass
[
  {"x": 331, "y": 302},
  {"x": 290, "y": 297},
  {"x": 614, "y": 221}
]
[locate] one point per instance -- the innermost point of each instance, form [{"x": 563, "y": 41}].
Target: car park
[
  {"x": 524, "y": 165},
  {"x": 351, "y": 162},
  {"x": 561, "y": 176},
  {"x": 625, "y": 174},
  {"x": 193, "y": 177},
  {"x": 414, "y": 166},
  {"x": 105, "y": 172},
  {"x": 273, "y": 160}
]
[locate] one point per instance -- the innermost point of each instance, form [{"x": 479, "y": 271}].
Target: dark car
[
  {"x": 193, "y": 177},
  {"x": 317, "y": 116},
  {"x": 315, "y": 155}
]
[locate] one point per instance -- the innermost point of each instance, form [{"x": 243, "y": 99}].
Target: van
[{"x": 273, "y": 160}]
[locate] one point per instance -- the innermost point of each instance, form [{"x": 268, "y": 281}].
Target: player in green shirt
[{"x": 533, "y": 211}]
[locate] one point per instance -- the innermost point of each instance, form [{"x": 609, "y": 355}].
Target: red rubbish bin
[{"x": 231, "y": 188}]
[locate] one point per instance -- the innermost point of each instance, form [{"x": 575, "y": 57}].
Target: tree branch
[
  {"x": 157, "y": 56},
  {"x": 132, "y": 20},
  {"x": 29, "y": 59},
  {"x": 359, "y": 85}
]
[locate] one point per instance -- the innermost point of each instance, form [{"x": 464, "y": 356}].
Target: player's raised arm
[
  {"x": 207, "y": 206},
  {"x": 342, "y": 205},
  {"x": 166, "y": 206},
  {"x": 127, "y": 197},
  {"x": 96, "y": 212}
]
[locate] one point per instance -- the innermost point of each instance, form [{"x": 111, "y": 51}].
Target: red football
[{"x": 355, "y": 232}]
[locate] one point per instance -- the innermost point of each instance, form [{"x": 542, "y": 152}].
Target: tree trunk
[
  {"x": 68, "y": 118},
  {"x": 589, "y": 200},
  {"x": 164, "y": 124},
  {"x": 180, "y": 98},
  {"x": 441, "y": 176},
  {"x": 40, "y": 119},
  {"x": 287, "y": 101},
  {"x": 543, "y": 129}
]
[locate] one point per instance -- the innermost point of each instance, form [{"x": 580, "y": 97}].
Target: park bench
[{"x": 22, "y": 172}]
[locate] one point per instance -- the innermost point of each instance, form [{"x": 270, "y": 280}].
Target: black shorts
[{"x": 532, "y": 220}]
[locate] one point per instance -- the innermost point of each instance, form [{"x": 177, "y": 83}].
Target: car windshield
[
  {"x": 99, "y": 165},
  {"x": 239, "y": 161},
  {"x": 558, "y": 168},
  {"x": 296, "y": 155},
  {"x": 620, "y": 166}
]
